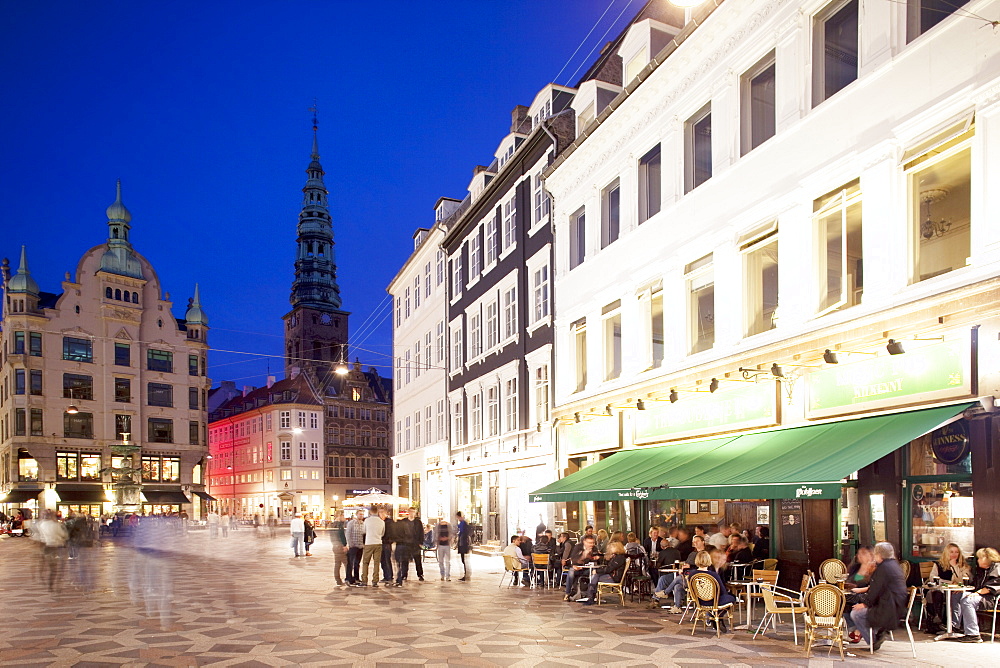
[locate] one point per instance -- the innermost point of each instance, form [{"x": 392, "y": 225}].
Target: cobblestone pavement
[{"x": 243, "y": 601}]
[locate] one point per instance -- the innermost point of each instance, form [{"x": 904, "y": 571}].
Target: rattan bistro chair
[
  {"x": 615, "y": 587},
  {"x": 824, "y": 616},
  {"x": 513, "y": 568},
  {"x": 832, "y": 569},
  {"x": 704, "y": 587}
]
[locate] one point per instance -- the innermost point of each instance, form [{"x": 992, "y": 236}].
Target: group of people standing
[{"x": 365, "y": 545}]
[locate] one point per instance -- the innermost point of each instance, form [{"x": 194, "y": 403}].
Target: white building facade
[{"x": 778, "y": 181}]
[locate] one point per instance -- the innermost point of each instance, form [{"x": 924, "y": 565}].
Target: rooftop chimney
[{"x": 270, "y": 381}]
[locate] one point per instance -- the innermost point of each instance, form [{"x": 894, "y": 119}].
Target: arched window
[
  {"x": 107, "y": 293},
  {"x": 118, "y": 294},
  {"x": 135, "y": 297}
]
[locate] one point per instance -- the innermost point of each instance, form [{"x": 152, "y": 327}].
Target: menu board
[{"x": 790, "y": 516}]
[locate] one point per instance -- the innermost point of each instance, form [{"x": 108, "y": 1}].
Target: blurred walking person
[
  {"x": 52, "y": 534},
  {"x": 464, "y": 540},
  {"x": 298, "y": 530},
  {"x": 442, "y": 543}
]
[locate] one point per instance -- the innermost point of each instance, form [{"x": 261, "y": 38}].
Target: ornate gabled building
[{"x": 100, "y": 361}]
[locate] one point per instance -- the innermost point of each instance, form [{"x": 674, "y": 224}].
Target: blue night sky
[{"x": 201, "y": 109}]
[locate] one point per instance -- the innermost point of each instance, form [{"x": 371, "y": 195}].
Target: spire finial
[
  {"x": 23, "y": 269},
  {"x": 196, "y": 300},
  {"x": 315, "y": 148}
]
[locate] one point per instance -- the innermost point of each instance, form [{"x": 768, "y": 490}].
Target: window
[
  {"x": 458, "y": 424},
  {"x": 27, "y": 469},
  {"x": 939, "y": 176},
  {"x": 36, "y": 422},
  {"x": 286, "y": 474},
  {"x": 579, "y": 333},
  {"x": 416, "y": 359},
  {"x": 77, "y": 350},
  {"x": 314, "y": 420},
  {"x": 758, "y": 108},
  {"x": 655, "y": 336},
  {"x": 21, "y": 420},
  {"x": 20, "y": 381},
  {"x": 123, "y": 355},
  {"x": 698, "y": 148},
  {"x": 416, "y": 292},
  {"x": 406, "y": 433},
  {"x": 285, "y": 450},
  {"x": 510, "y": 405},
  {"x": 18, "y": 344},
  {"x": 542, "y": 394},
  {"x": 760, "y": 282},
  {"x": 493, "y": 411},
  {"x": 635, "y": 65},
  {"x": 475, "y": 336},
  {"x": 440, "y": 420},
  {"x": 160, "y": 394},
  {"x": 302, "y": 452},
  {"x": 193, "y": 399},
  {"x": 440, "y": 267},
  {"x": 540, "y": 292},
  {"x": 284, "y": 420},
  {"x": 509, "y": 312},
  {"x": 192, "y": 365},
  {"x": 649, "y": 184},
  {"x": 612, "y": 318},
  {"x": 399, "y": 311},
  {"x": 333, "y": 466},
  {"x": 475, "y": 259},
  {"x": 491, "y": 240},
  {"x": 922, "y": 15},
  {"x": 837, "y": 219},
  {"x": 416, "y": 429},
  {"x": 314, "y": 475},
  {"x": 492, "y": 325},
  {"x": 510, "y": 222},
  {"x": 268, "y": 422},
  {"x": 349, "y": 466},
  {"x": 428, "y": 426},
  {"x": 35, "y": 344},
  {"x": 456, "y": 275},
  {"x": 427, "y": 280},
  {"x": 193, "y": 432},
  {"x": 610, "y": 213},
  {"x": 406, "y": 365},
  {"x": 541, "y": 199},
  {"x": 67, "y": 465},
  {"x": 577, "y": 238},
  {"x": 477, "y": 416},
  {"x": 835, "y": 54},
  {"x": 76, "y": 386},
  {"x": 440, "y": 344},
  {"x": 161, "y": 430},
  {"x": 78, "y": 425},
  {"x": 700, "y": 279},
  {"x": 381, "y": 468},
  {"x": 160, "y": 360},
  {"x": 301, "y": 419},
  {"x": 123, "y": 390},
  {"x": 406, "y": 304}
]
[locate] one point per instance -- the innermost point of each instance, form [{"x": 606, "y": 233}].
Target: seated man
[
  {"x": 740, "y": 555},
  {"x": 513, "y": 550},
  {"x": 666, "y": 558},
  {"x": 611, "y": 571},
  {"x": 583, "y": 553},
  {"x": 885, "y": 604},
  {"x": 987, "y": 586}
]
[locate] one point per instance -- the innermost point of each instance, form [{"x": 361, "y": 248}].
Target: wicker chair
[
  {"x": 615, "y": 587},
  {"x": 770, "y": 564},
  {"x": 824, "y": 616},
  {"x": 779, "y": 601},
  {"x": 704, "y": 587},
  {"x": 512, "y": 567},
  {"x": 905, "y": 566},
  {"x": 832, "y": 569}
]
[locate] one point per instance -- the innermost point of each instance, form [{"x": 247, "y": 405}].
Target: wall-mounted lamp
[
  {"x": 830, "y": 357},
  {"x": 640, "y": 405},
  {"x": 714, "y": 385},
  {"x": 576, "y": 418},
  {"x": 673, "y": 395},
  {"x": 776, "y": 371},
  {"x": 895, "y": 347},
  {"x": 607, "y": 410},
  {"x": 751, "y": 374},
  {"x": 72, "y": 410}
]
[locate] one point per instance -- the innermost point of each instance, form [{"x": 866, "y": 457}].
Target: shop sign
[
  {"x": 361, "y": 492},
  {"x": 950, "y": 443},
  {"x": 590, "y": 435},
  {"x": 940, "y": 371},
  {"x": 749, "y": 406},
  {"x": 638, "y": 493}
]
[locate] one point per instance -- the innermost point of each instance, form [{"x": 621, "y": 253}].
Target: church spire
[{"x": 315, "y": 285}]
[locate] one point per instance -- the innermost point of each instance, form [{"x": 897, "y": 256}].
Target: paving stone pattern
[{"x": 243, "y": 601}]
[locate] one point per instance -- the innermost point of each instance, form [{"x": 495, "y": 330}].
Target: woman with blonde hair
[
  {"x": 950, "y": 568},
  {"x": 986, "y": 588},
  {"x": 602, "y": 540},
  {"x": 612, "y": 570}
]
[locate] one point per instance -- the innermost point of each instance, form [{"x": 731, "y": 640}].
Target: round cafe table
[{"x": 948, "y": 589}]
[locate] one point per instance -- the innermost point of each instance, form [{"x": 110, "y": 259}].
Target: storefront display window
[{"x": 470, "y": 498}]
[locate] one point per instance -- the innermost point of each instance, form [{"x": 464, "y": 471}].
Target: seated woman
[
  {"x": 705, "y": 563},
  {"x": 859, "y": 574},
  {"x": 602, "y": 540},
  {"x": 612, "y": 571},
  {"x": 885, "y": 601},
  {"x": 950, "y": 568},
  {"x": 986, "y": 583}
]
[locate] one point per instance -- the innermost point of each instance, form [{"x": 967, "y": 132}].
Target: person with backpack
[{"x": 442, "y": 543}]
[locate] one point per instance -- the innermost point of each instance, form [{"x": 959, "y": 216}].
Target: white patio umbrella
[{"x": 372, "y": 499}]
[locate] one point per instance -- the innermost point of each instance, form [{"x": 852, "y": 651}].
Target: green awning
[
  {"x": 794, "y": 462},
  {"x": 624, "y": 475}
]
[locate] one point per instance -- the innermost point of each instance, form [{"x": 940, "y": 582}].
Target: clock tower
[{"x": 316, "y": 327}]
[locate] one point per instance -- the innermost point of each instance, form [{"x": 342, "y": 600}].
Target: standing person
[
  {"x": 720, "y": 539},
  {"x": 374, "y": 530},
  {"x": 298, "y": 530},
  {"x": 541, "y": 528},
  {"x": 408, "y": 536},
  {"x": 355, "y": 547},
  {"x": 762, "y": 543},
  {"x": 224, "y": 524},
  {"x": 309, "y": 535},
  {"x": 388, "y": 538},
  {"x": 213, "y": 525},
  {"x": 442, "y": 542},
  {"x": 338, "y": 536},
  {"x": 464, "y": 540}
]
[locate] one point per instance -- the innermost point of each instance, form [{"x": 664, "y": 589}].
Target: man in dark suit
[{"x": 886, "y": 600}]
